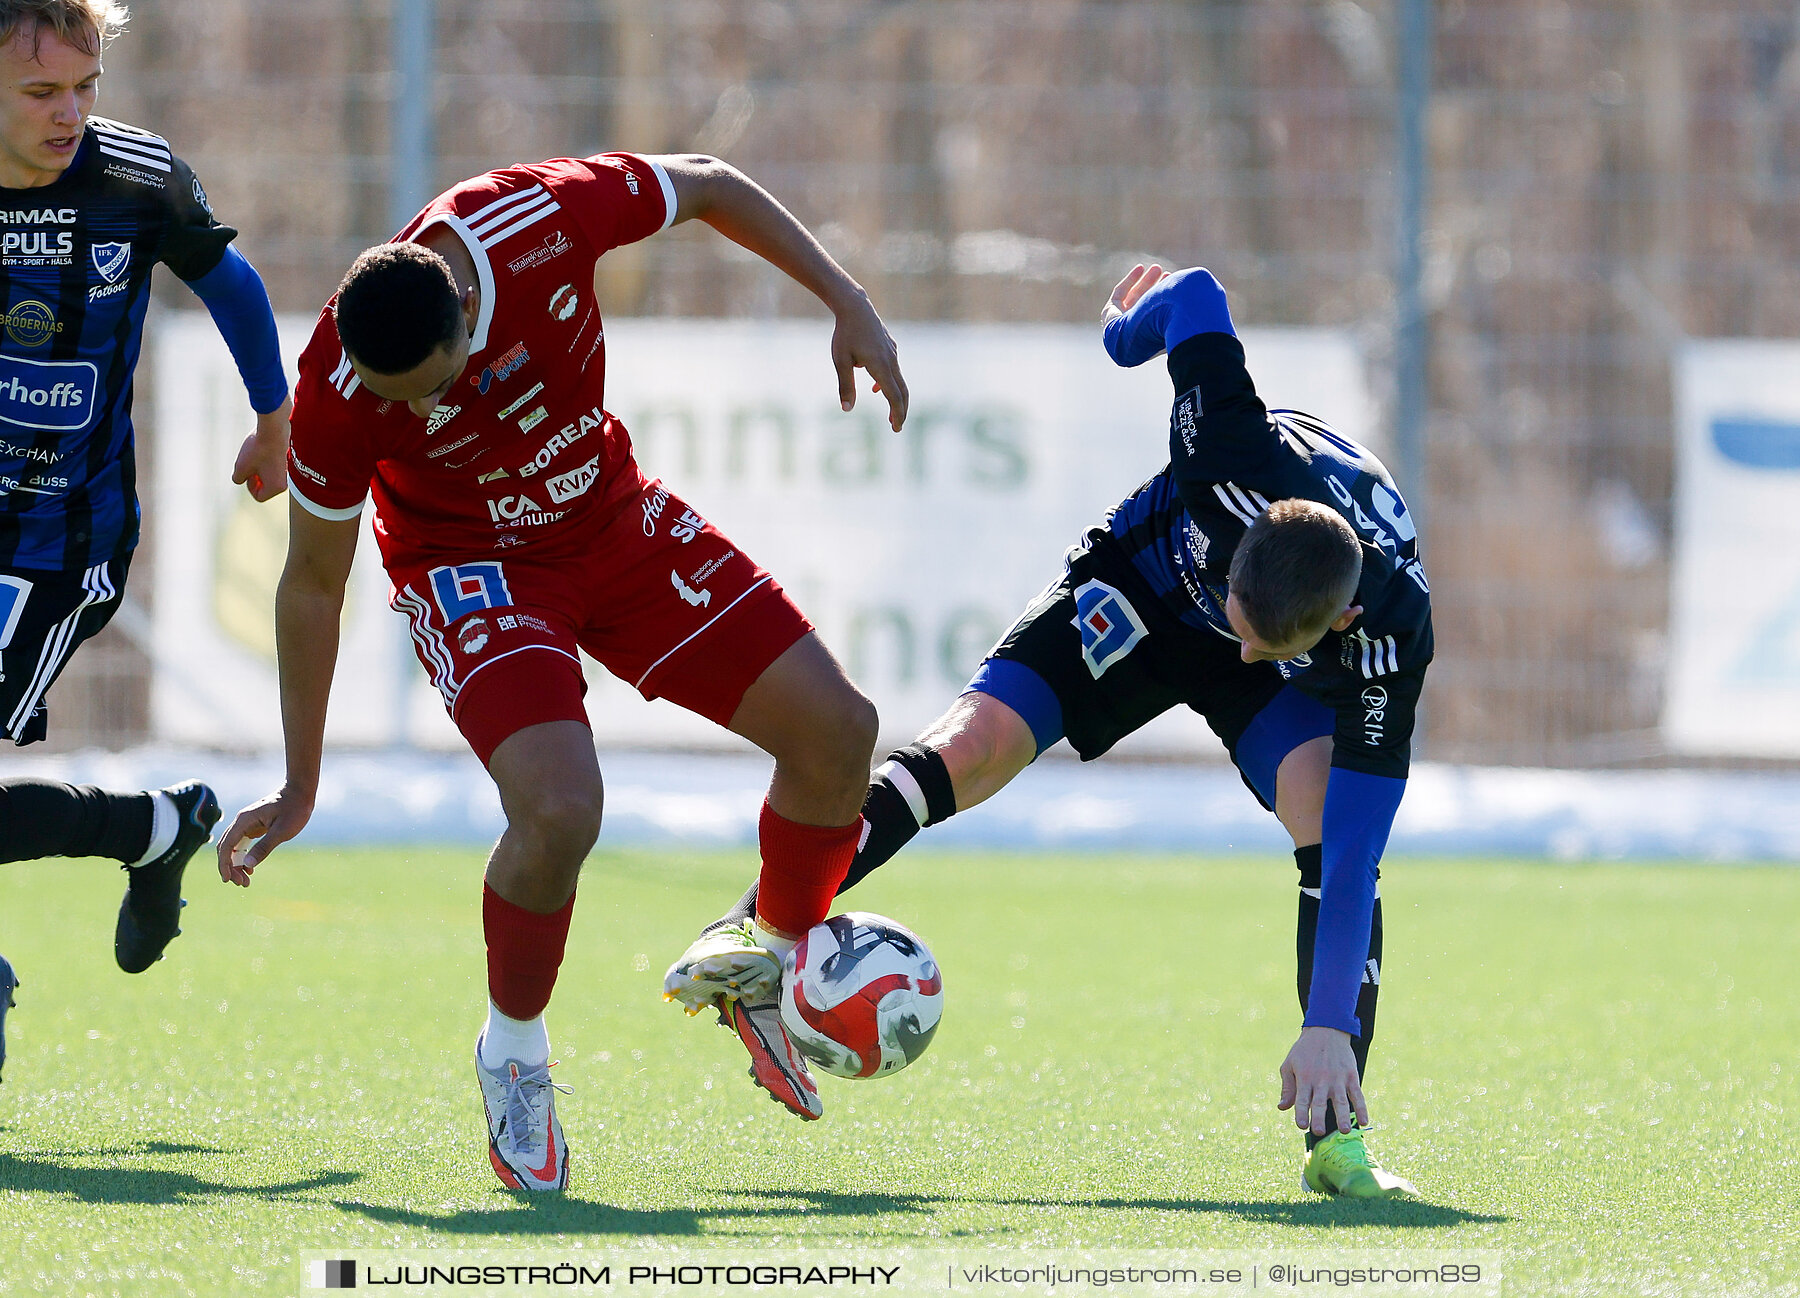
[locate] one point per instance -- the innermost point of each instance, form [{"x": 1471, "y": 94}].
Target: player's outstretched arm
[
  {"x": 238, "y": 302},
  {"x": 741, "y": 210},
  {"x": 308, "y": 604}
]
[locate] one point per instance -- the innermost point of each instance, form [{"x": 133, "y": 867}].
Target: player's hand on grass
[
  {"x": 262, "y": 460},
  {"x": 271, "y": 822},
  {"x": 861, "y": 341},
  {"x": 1321, "y": 1069},
  {"x": 1127, "y": 291}
]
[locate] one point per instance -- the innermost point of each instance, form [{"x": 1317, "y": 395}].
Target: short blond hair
[{"x": 86, "y": 24}]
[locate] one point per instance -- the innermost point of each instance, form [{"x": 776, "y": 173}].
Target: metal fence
[{"x": 1605, "y": 179}]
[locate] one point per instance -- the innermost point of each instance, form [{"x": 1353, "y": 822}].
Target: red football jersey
[{"x": 521, "y": 452}]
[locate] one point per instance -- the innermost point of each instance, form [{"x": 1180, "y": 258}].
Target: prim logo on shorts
[
  {"x": 32, "y": 323},
  {"x": 1110, "y": 627},
  {"x": 1374, "y": 701}
]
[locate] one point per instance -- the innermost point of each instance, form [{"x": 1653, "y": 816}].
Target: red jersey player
[{"x": 458, "y": 379}]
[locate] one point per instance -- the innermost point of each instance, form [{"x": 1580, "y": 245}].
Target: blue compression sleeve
[
  {"x": 1359, "y": 812},
  {"x": 239, "y": 305},
  {"x": 1180, "y": 306}
]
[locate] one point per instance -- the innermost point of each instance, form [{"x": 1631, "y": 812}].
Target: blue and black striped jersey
[
  {"x": 1231, "y": 457},
  {"x": 75, "y": 261}
]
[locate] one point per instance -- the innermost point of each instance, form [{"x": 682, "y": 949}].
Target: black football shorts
[
  {"x": 1115, "y": 659},
  {"x": 43, "y": 617}
]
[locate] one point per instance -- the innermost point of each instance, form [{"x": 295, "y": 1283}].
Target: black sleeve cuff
[{"x": 1214, "y": 363}]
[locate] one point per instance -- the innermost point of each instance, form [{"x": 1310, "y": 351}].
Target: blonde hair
[{"x": 85, "y": 24}]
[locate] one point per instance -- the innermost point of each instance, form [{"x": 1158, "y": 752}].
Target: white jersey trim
[
  {"x": 668, "y": 193},
  {"x": 345, "y": 378},
  {"x": 484, "y": 221},
  {"x": 1380, "y": 655},
  {"x": 516, "y": 218},
  {"x": 322, "y": 511},
  {"x": 132, "y": 144},
  {"x": 484, "y": 273}
]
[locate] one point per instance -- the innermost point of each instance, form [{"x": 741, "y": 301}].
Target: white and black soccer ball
[{"x": 861, "y": 995}]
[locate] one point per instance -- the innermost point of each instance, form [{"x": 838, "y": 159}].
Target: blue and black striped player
[
  {"x": 87, "y": 208},
  {"x": 1269, "y": 579}
]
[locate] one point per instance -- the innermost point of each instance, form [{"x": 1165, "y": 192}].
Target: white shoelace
[{"x": 522, "y": 1109}]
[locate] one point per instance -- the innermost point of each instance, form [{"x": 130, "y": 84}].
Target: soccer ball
[{"x": 861, "y": 995}]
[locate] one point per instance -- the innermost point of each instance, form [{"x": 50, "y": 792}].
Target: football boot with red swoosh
[{"x": 525, "y": 1140}]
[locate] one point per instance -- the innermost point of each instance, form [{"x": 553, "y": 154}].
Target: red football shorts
[{"x": 659, "y": 597}]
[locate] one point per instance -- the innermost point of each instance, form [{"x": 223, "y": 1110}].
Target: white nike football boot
[{"x": 525, "y": 1140}]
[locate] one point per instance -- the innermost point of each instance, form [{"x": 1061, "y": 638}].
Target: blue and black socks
[{"x": 1306, "y": 931}]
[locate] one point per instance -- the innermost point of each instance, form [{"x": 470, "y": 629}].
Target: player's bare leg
[
  {"x": 962, "y": 759},
  {"x": 805, "y": 713},
  {"x": 983, "y": 744},
  {"x": 550, "y": 789}
]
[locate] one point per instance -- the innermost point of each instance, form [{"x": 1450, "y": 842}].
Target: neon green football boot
[{"x": 1341, "y": 1164}]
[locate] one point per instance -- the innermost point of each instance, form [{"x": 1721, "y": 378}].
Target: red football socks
[
  {"x": 525, "y": 949},
  {"x": 802, "y": 866}
]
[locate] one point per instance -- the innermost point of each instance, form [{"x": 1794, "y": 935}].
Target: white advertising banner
[
  {"x": 1734, "y": 618},
  {"x": 911, "y": 551}
]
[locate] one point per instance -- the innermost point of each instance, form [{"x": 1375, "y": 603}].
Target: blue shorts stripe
[
  {"x": 1026, "y": 693},
  {"x": 1289, "y": 720}
]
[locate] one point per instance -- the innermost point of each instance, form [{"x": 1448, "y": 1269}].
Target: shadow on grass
[
  {"x": 560, "y": 1214},
  {"x": 1316, "y": 1212},
  {"x": 1287, "y": 1212},
  {"x": 545, "y": 1215},
  {"x": 117, "y": 1181}
]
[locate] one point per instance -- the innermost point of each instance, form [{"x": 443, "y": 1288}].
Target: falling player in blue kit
[
  {"x": 87, "y": 207},
  {"x": 1269, "y": 579}
]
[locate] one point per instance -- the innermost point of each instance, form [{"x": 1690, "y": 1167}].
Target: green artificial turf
[{"x": 1590, "y": 1072}]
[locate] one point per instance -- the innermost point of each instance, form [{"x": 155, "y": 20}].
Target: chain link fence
[{"x": 1607, "y": 178}]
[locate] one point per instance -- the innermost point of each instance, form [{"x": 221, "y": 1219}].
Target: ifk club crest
[{"x": 111, "y": 260}]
